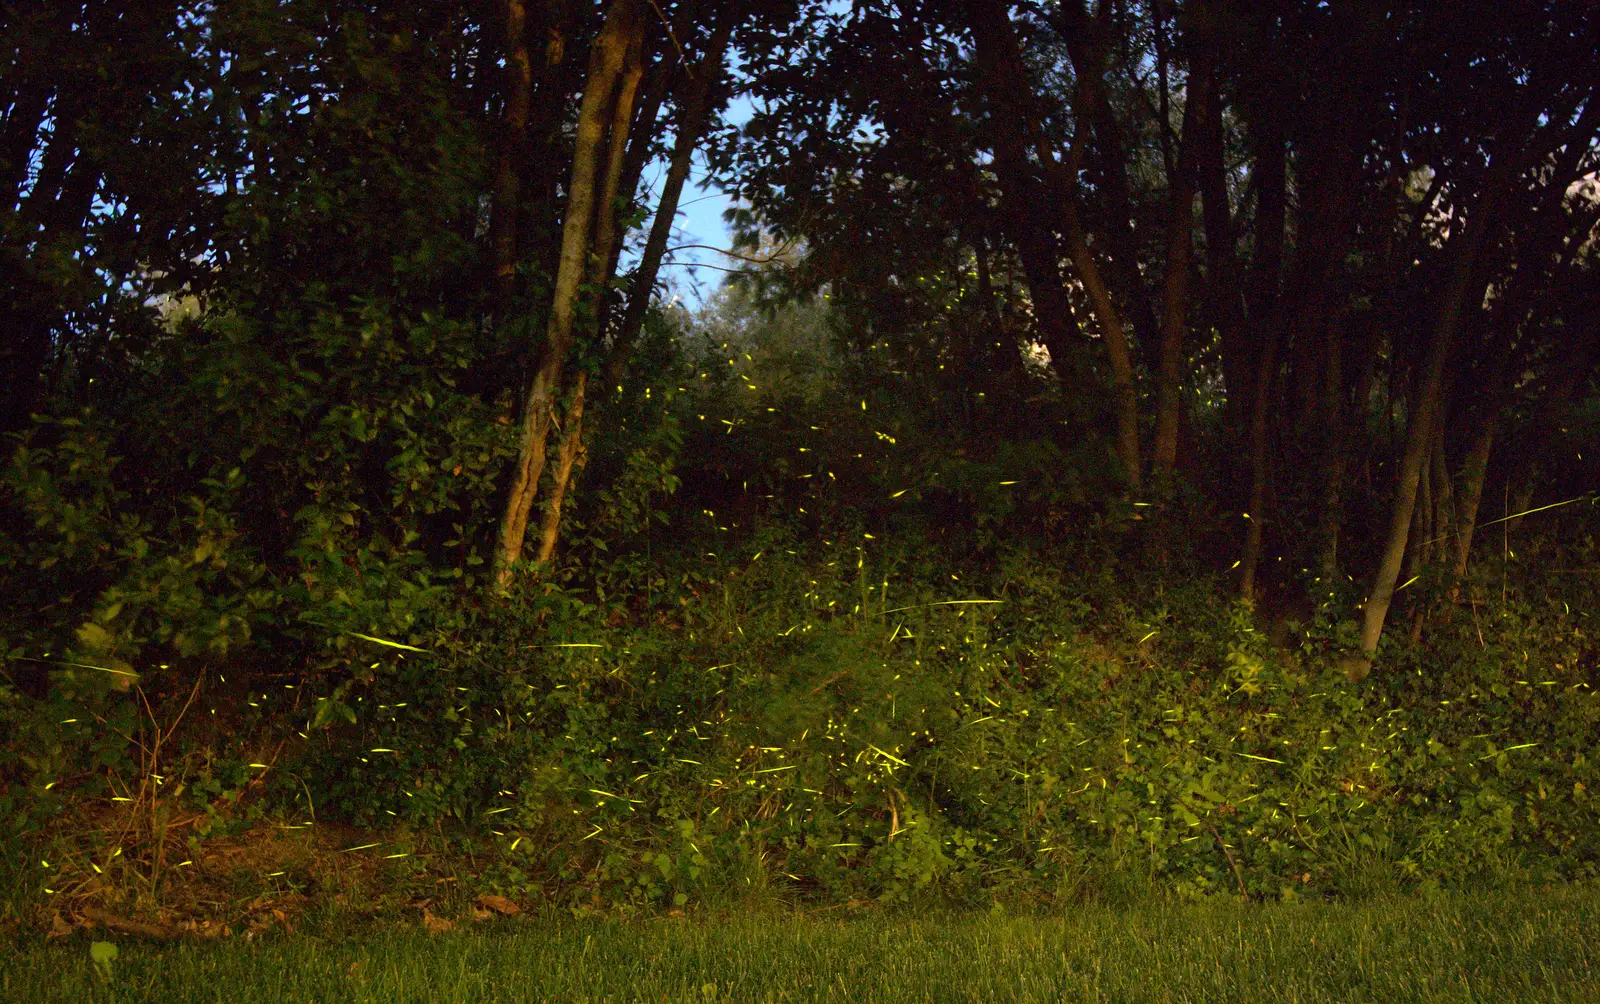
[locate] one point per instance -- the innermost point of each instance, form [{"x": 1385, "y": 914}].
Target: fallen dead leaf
[
  {"x": 499, "y": 904},
  {"x": 436, "y": 925},
  {"x": 58, "y": 928}
]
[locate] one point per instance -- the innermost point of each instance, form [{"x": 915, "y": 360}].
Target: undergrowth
[{"x": 849, "y": 723}]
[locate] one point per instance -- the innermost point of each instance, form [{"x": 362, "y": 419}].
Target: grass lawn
[{"x": 1527, "y": 945}]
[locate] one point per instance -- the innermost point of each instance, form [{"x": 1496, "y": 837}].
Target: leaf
[
  {"x": 499, "y": 904},
  {"x": 94, "y": 637},
  {"x": 436, "y": 925}
]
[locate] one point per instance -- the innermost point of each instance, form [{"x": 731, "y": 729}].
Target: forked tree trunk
[
  {"x": 1419, "y": 437},
  {"x": 1086, "y": 43},
  {"x": 573, "y": 450},
  {"x": 623, "y": 28},
  {"x": 1064, "y": 179},
  {"x": 602, "y": 262},
  {"x": 693, "y": 119},
  {"x": 569, "y": 454}
]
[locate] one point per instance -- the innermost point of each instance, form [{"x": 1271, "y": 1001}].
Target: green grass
[{"x": 1530, "y": 945}]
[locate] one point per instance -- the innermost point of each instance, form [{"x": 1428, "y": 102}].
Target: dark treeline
[{"x": 334, "y": 332}]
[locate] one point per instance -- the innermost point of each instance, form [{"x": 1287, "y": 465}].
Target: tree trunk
[
  {"x": 1443, "y": 498},
  {"x": 513, "y": 144},
  {"x": 1420, "y": 541},
  {"x": 602, "y": 261},
  {"x": 573, "y": 450},
  {"x": 1175, "y": 289},
  {"x": 692, "y": 120},
  {"x": 1174, "y": 321},
  {"x": 1473, "y": 470},
  {"x": 1420, "y": 546},
  {"x": 1419, "y": 435},
  {"x": 1335, "y": 454},
  {"x": 1223, "y": 283},
  {"x": 1086, "y": 47},
  {"x": 1261, "y": 401},
  {"x": 1127, "y": 401},
  {"x": 567, "y": 455},
  {"x": 621, "y": 34},
  {"x": 1013, "y": 115}
]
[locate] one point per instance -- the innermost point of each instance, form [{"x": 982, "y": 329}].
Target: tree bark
[
  {"x": 1223, "y": 282},
  {"x": 1175, "y": 287},
  {"x": 1419, "y": 435},
  {"x": 621, "y": 33},
  {"x": 1335, "y": 454},
  {"x": 1472, "y": 474},
  {"x": 1261, "y": 400},
  {"x": 573, "y": 450},
  {"x": 1116, "y": 339},
  {"x": 513, "y": 143},
  {"x": 1012, "y": 116},
  {"x": 1086, "y": 46},
  {"x": 1444, "y": 516},
  {"x": 602, "y": 262}
]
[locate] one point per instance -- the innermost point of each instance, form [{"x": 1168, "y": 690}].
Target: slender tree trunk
[
  {"x": 1444, "y": 522},
  {"x": 1174, "y": 323},
  {"x": 1335, "y": 453},
  {"x": 602, "y": 261},
  {"x": 513, "y": 146},
  {"x": 1420, "y": 544},
  {"x": 1261, "y": 401},
  {"x": 1266, "y": 266},
  {"x": 1473, "y": 470},
  {"x": 693, "y": 118},
  {"x": 621, "y": 33},
  {"x": 1002, "y": 67},
  {"x": 573, "y": 448},
  {"x": 1111, "y": 329},
  {"x": 1322, "y": 227},
  {"x": 1223, "y": 281},
  {"x": 567, "y": 455},
  {"x": 1420, "y": 422},
  {"x": 1180, "y": 251},
  {"x": 1086, "y": 46},
  {"x": 642, "y": 132}
]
